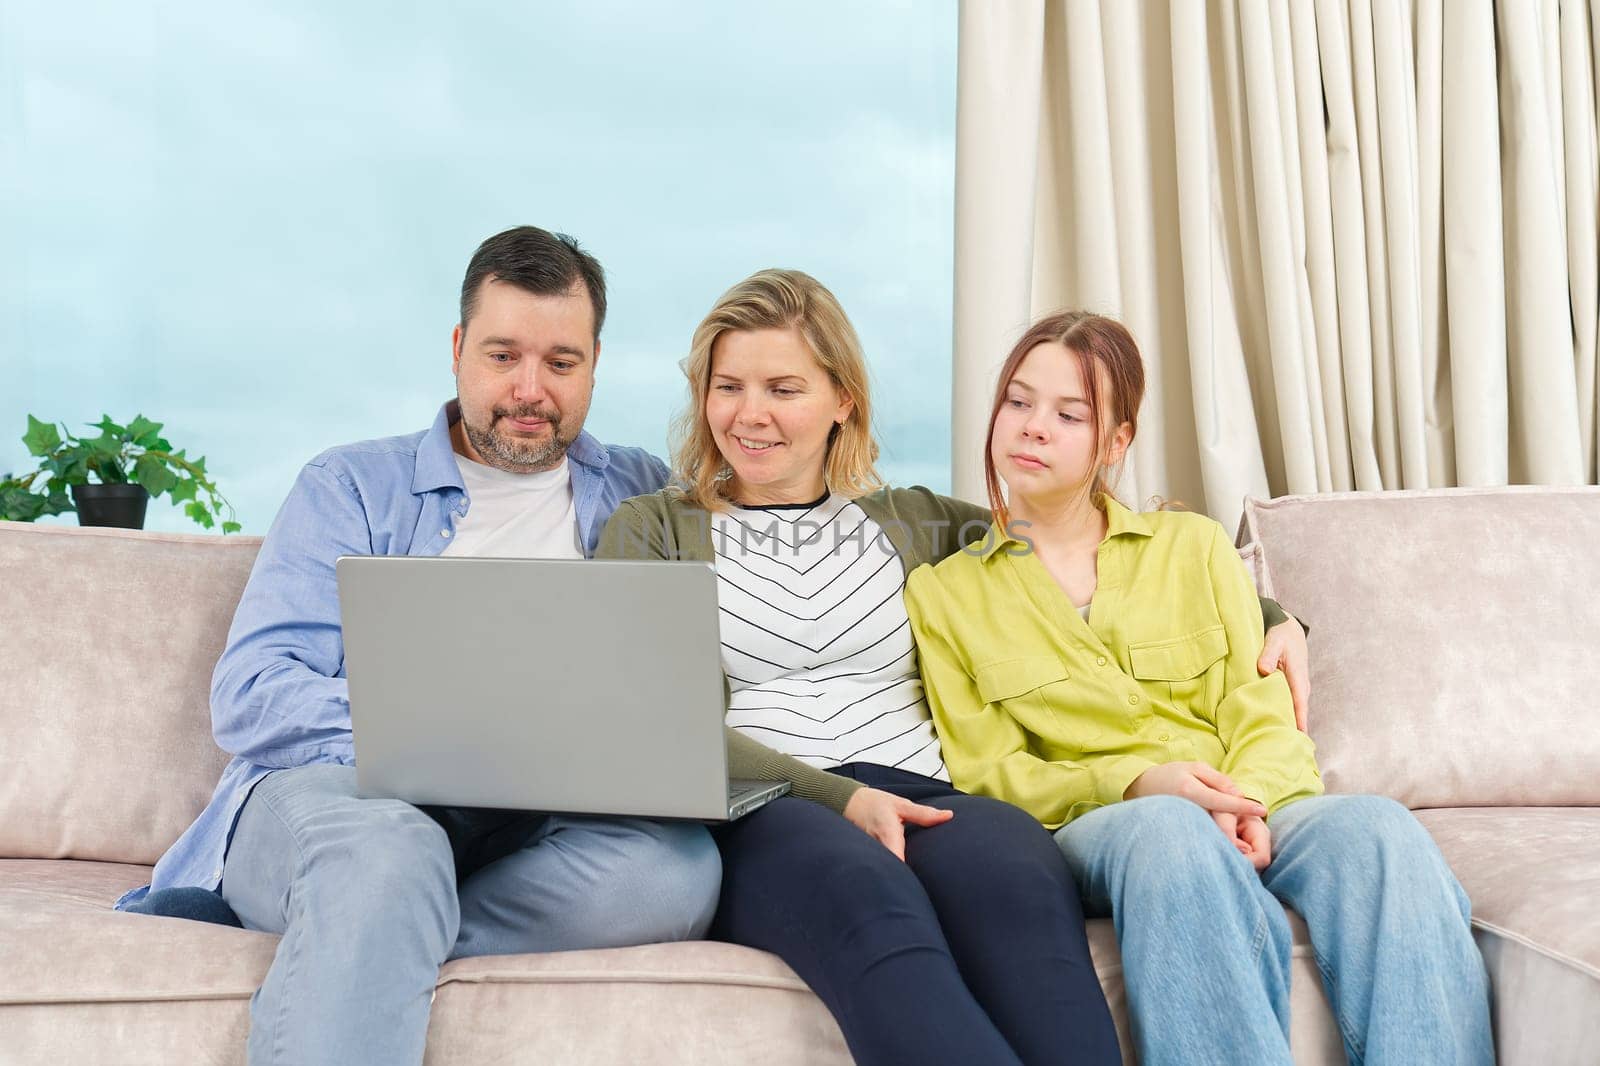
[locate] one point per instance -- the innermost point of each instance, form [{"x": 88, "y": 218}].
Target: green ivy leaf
[
  {"x": 69, "y": 468},
  {"x": 108, "y": 427},
  {"x": 184, "y": 490},
  {"x": 41, "y": 438},
  {"x": 17, "y": 504},
  {"x": 144, "y": 433},
  {"x": 108, "y": 468},
  {"x": 153, "y": 474},
  {"x": 231, "y": 527},
  {"x": 106, "y": 445},
  {"x": 197, "y": 511}
]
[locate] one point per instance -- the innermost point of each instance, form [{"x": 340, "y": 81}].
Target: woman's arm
[
  {"x": 751, "y": 760},
  {"x": 638, "y": 530},
  {"x": 1267, "y": 757}
]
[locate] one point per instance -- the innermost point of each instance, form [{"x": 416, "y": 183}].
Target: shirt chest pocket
[
  {"x": 1013, "y": 679},
  {"x": 1025, "y": 688},
  {"x": 1186, "y": 670}
]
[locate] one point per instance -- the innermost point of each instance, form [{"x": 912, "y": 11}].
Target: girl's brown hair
[{"x": 1106, "y": 351}]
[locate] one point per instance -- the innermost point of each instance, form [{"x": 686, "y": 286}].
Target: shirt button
[
  {"x": 1133, "y": 699},
  {"x": 444, "y": 533},
  {"x": 1165, "y": 736},
  {"x": 1101, "y": 661}
]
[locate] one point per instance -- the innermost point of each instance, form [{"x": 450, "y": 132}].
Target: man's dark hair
[{"x": 541, "y": 262}]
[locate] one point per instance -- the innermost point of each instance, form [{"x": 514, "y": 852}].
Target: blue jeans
[
  {"x": 1205, "y": 942},
  {"x": 365, "y": 894}
]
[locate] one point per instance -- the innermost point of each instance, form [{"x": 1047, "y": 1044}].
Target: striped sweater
[{"x": 816, "y": 644}]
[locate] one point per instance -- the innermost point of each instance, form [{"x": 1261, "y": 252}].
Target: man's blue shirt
[{"x": 278, "y": 696}]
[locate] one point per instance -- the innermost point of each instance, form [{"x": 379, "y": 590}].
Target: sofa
[{"x": 1452, "y": 658}]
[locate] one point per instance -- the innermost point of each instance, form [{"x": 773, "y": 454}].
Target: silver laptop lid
[{"x": 585, "y": 686}]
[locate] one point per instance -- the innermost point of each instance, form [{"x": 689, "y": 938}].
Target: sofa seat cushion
[
  {"x": 83, "y": 983},
  {"x": 60, "y": 941},
  {"x": 1533, "y": 875}
]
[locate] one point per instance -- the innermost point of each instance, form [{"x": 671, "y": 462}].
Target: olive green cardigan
[{"x": 923, "y": 526}]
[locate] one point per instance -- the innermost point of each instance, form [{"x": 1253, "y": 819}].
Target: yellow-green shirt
[{"x": 1058, "y": 715}]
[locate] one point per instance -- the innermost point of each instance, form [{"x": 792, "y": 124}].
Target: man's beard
[{"x": 499, "y": 449}]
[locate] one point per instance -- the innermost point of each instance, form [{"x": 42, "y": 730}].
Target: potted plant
[{"x": 111, "y": 477}]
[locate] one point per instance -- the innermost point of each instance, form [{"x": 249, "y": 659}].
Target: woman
[
  {"x": 1099, "y": 674},
  {"x": 958, "y": 939}
]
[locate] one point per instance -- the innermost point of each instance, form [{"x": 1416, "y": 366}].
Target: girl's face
[
  {"x": 1044, "y": 443},
  {"x": 770, "y": 409}
]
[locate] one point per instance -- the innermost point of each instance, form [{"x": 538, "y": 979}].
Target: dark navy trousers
[{"x": 972, "y": 951}]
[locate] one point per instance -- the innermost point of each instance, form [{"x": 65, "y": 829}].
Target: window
[{"x": 251, "y": 225}]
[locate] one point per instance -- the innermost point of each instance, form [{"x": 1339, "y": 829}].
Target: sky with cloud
[{"x": 250, "y": 223}]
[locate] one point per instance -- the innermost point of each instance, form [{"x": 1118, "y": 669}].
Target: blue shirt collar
[{"x": 436, "y": 457}]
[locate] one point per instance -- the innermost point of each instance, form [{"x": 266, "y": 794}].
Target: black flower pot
[{"x": 110, "y": 505}]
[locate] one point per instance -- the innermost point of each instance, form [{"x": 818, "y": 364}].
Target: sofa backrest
[
  {"x": 1453, "y": 651},
  {"x": 107, "y": 643},
  {"x": 1453, "y": 638}
]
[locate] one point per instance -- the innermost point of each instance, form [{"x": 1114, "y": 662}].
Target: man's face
[{"x": 524, "y": 368}]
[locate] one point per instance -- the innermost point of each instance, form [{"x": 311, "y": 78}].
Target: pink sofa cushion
[
  {"x": 110, "y": 639},
  {"x": 1453, "y": 638}
]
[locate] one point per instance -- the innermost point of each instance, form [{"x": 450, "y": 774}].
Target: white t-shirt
[{"x": 524, "y": 516}]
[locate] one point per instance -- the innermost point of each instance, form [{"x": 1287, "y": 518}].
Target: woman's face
[
  {"x": 1043, "y": 445},
  {"x": 770, "y": 409}
]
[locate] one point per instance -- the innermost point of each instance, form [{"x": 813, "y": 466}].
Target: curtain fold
[{"x": 1357, "y": 239}]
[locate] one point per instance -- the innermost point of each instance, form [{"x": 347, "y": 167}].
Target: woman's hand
[
  {"x": 1229, "y": 824},
  {"x": 1257, "y": 841},
  {"x": 883, "y": 817},
  {"x": 1286, "y": 649},
  {"x": 1197, "y": 782}
]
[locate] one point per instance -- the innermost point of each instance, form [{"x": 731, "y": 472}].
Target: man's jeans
[
  {"x": 1205, "y": 943},
  {"x": 364, "y": 892}
]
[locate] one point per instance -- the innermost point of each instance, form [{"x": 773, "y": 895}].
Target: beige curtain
[{"x": 1355, "y": 238}]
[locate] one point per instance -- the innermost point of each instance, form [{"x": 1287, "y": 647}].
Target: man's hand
[
  {"x": 1195, "y": 781},
  {"x": 883, "y": 817},
  {"x": 1286, "y": 649},
  {"x": 1256, "y": 841}
]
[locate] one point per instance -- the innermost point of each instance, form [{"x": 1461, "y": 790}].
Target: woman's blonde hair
[{"x": 778, "y": 299}]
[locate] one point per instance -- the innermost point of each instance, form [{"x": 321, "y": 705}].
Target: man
[{"x": 372, "y": 896}]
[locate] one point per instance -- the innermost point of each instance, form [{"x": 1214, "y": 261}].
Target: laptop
[{"x": 563, "y": 685}]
